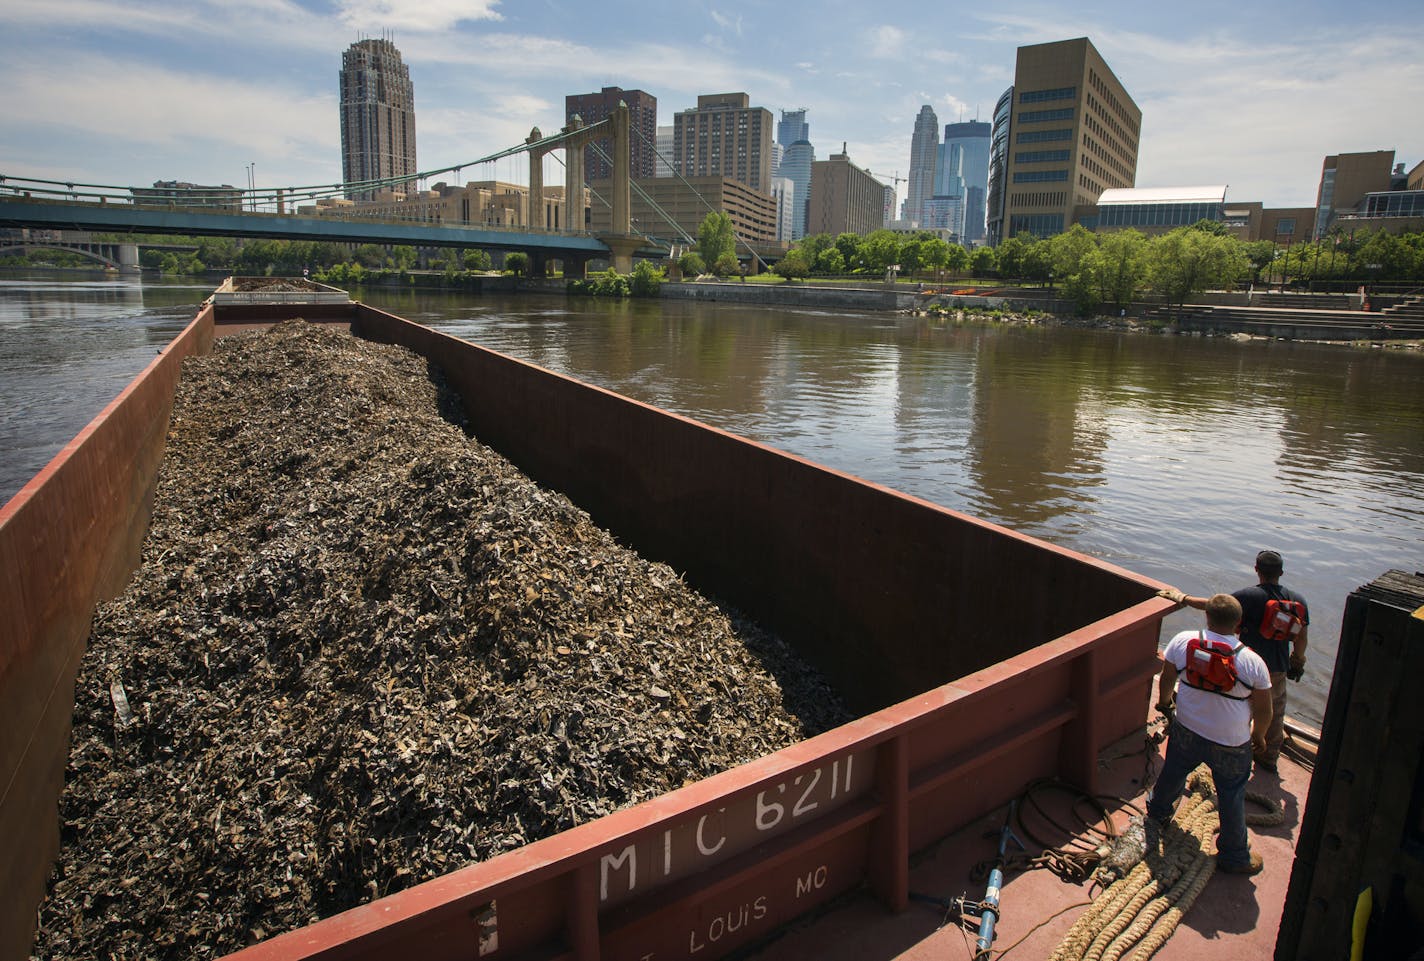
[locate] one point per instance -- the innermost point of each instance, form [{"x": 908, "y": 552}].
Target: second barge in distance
[{"x": 890, "y": 597}]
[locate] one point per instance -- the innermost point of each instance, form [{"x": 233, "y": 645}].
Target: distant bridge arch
[{"x": 119, "y": 256}]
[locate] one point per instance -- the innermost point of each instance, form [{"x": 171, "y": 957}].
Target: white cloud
[
  {"x": 168, "y": 117},
  {"x": 887, "y": 42},
  {"x": 415, "y": 15},
  {"x": 728, "y": 23}
]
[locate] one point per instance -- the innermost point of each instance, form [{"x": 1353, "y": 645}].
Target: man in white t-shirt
[{"x": 1218, "y": 718}]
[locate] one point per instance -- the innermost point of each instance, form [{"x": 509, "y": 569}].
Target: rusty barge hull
[{"x": 979, "y": 659}]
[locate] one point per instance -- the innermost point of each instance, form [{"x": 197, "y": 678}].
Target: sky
[{"x": 1249, "y": 94}]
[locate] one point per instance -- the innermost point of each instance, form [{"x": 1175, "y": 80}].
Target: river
[{"x": 1176, "y": 457}]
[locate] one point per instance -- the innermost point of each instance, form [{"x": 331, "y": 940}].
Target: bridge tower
[{"x": 621, "y": 241}]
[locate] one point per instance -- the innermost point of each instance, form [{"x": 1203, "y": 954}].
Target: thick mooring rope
[{"x": 1135, "y": 915}]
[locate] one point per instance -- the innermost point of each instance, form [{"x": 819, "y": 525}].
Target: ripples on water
[{"x": 1174, "y": 457}]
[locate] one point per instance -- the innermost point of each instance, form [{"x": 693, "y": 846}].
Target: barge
[{"x": 978, "y": 660}]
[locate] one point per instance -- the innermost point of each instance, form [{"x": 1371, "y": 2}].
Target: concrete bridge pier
[
  {"x": 621, "y": 250},
  {"x": 575, "y": 267},
  {"x": 128, "y": 258}
]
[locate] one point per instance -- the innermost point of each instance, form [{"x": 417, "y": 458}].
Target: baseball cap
[{"x": 1270, "y": 560}]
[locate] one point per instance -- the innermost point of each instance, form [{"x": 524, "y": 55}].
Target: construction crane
[{"x": 896, "y": 178}]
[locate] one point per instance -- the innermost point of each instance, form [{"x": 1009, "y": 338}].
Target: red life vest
[
  {"x": 1283, "y": 619},
  {"x": 1211, "y": 666}
]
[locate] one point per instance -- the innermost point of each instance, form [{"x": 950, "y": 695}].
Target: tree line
[{"x": 1111, "y": 269}]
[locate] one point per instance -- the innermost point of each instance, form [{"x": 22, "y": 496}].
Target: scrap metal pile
[{"x": 363, "y": 650}]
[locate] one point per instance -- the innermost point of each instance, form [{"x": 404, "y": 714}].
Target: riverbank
[{"x": 1150, "y": 322}]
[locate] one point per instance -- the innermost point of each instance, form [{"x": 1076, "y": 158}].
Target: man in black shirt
[{"x": 1274, "y": 624}]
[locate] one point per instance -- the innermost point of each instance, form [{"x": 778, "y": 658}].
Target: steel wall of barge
[
  {"x": 69, "y": 539},
  {"x": 988, "y": 659}
]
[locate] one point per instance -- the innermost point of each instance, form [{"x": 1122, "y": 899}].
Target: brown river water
[{"x": 1175, "y": 457}]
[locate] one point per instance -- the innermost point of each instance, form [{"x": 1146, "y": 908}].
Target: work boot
[
  {"x": 1252, "y": 866},
  {"x": 1265, "y": 763}
]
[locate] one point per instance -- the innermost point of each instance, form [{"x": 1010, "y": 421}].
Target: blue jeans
[{"x": 1230, "y": 770}]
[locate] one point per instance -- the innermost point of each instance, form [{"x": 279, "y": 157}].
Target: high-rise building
[
  {"x": 998, "y": 169},
  {"x": 724, "y": 135},
  {"x": 944, "y": 213},
  {"x": 377, "y": 116},
  {"x": 796, "y": 165},
  {"x": 662, "y": 164},
  {"x": 966, "y": 152},
  {"x": 924, "y": 157},
  {"x": 792, "y": 127},
  {"x": 642, "y": 129},
  {"x": 889, "y": 205},
  {"x": 1069, "y": 133},
  {"x": 783, "y": 191},
  {"x": 844, "y": 198}
]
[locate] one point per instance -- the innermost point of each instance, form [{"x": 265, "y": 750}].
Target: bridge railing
[{"x": 26, "y": 195}]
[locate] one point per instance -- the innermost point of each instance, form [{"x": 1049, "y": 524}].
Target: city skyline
[{"x": 133, "y": 92}]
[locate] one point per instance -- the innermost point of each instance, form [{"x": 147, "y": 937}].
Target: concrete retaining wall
[{"x": 794, "y": 295}]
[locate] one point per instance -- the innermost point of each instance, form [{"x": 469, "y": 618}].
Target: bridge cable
[{"x": 703, "y": 199}]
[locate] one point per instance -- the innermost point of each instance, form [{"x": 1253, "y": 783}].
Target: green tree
[
  {"x": 1120, "y": 266},
  {"x": 691, "y": 264},
  {"x": 830, "y": 261},
  {"x": 1260, "y": 254},
  {"x": 1210, "y": 227},
  {"x": 879, "y": 249},
  {"x": 1011, "y": 256},
  {"x": 517, "y": 263},
  {"x": 403, "y": 257},
  {"x": 716, "y": 238},
  {"x": 726, "y": 265},
  {"x": 795, "y": 263},
  {"x": 370, "y": 256},
  {"x": 646, "y": 280},
  {"x": 958, "y": 259},
  {"x": 325, "y": 253},
  {"x": 813, "y": 244},
  {"x": 218, "y": 251},
  {"x": 912, "y": 256},
  {"x": 1186, "y": 262},
  {"x": 935, "y": 253},
  {"x": 984, "y": 261},
  {"x": 848, "y": 245},
  {"x": 1386, "y": 256},
  {"x": 476, "y": 260},
  {"x": 1067, "y": 250},
  {"x": 1036, "y": 264}
]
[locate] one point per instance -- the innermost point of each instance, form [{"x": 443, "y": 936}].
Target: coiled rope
[{"x": 1136, "y": 914}]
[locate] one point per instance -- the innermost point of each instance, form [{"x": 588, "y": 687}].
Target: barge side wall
[{"x": 69, "y": 539}]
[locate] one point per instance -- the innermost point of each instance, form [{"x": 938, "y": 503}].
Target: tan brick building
[
  {"x": 844, "y": 198},
  {"x": 489, "y": 202},
  {"x": 1068, "y": 131},
  {"x": 724, "y": 136},
  {"x": 1345, "y": 179},
  {"x": 752, "y": 212}
]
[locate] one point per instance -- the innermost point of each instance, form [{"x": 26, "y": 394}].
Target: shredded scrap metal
[{"x": 362, "y": 650}]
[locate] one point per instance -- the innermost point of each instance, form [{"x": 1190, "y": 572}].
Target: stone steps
[{"x": 1302, "y": 324}]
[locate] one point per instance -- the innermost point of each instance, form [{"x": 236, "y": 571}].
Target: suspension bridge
[{"x": 295, "y": 213}]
